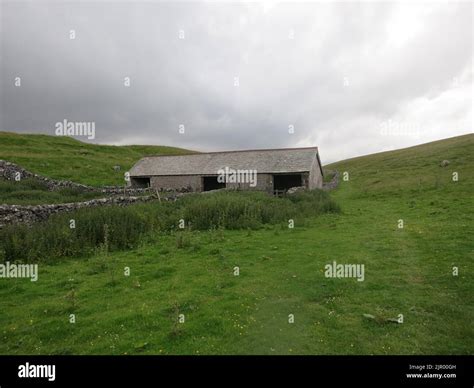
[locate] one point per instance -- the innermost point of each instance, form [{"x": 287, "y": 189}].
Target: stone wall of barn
[
  {"x": 311, "y": 180},
  {"x": 315, "y": 176},
  {"x": 177, "y": 182},
  {"x": 194, "y": 183},
  {"x": 264, "y": 183},
  {"x": 305, "y": 179}
]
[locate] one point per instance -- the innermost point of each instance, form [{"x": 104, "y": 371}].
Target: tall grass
[
  {"x": 128, "y": 226},
  {"x": 242, "y": 210},
  {"x": 34, "y": 192}
]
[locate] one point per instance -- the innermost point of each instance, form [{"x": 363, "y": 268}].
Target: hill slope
[
  {"x": 408, "y": 271},
  {"x": 71, "y": 159},
  {"x": 409, "y": 170}
]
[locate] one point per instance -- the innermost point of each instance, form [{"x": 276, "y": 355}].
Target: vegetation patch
[
  {"x": 65, "y": 158},
  {"x": 129, "y": 226},
  {"x": 35, "y": 192},
  {"x": 187, "y": 301}
]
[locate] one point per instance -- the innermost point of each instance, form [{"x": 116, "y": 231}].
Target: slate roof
[{"x": 287, "y": 160}]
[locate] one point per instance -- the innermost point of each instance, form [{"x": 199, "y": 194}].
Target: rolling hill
[
  {"x": 412, "y": 169},
  {"x": 70, "y": 159}
]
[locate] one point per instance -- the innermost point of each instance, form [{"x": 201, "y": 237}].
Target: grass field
[
  {"x": 35, "y": 192},
  {"x": 408, "y": 271},
  {"x": 69, "y": 159}
]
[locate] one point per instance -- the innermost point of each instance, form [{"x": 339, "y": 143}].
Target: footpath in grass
[{"x": 281, "y": 272}]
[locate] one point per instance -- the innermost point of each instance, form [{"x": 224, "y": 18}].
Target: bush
[
  {"x": 54, "y": 238},
  {"x": 128, "y": 226},
  {"x": 242, "y": 210}
]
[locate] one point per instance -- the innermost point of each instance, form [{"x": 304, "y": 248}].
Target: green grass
[
  {"x": 407, "y": 271},
  {"x": 35, "y": 192},
  {"x": 127, "y": 226},
  {"x": 66, "y": 158}
]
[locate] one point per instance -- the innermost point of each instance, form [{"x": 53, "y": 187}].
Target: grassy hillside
[
  {"x": 408, "y": 271},
  {"x": 411, "y": 170},
  {"x": 67, "y": 158}
]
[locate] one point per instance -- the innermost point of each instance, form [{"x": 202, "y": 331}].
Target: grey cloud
[{"x": 391, "y": 55}]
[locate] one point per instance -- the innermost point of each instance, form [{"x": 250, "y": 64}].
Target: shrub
[
  {"x": 54, "y": 238},
  {"x": 242, "y": 210},
  {"x": 128, "y": 226}
]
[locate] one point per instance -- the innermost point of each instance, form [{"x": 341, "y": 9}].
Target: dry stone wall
[
  {"x": 116, "y": 195},
  {"x": 11, "y": 171},
  {"x": 333, "y": 183},
  {"x": 10, "y": 214}
]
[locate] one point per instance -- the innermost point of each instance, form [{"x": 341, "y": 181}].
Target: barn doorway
[
  {"x": 283, "y": 182},
  {"x": 210, "y": 183},
  {"x": 140, "y": 182}
]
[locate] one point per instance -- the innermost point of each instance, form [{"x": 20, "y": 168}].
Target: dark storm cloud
[{"x": 339, "y": 73}]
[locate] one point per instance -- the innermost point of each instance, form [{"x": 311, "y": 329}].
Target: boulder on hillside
[{"x": 444, "y": 163}]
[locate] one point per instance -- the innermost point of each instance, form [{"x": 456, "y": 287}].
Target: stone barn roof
[{"x": 286, "y": 160}]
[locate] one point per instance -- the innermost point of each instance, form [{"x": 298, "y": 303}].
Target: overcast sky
[{"x": 351, "y": 78}]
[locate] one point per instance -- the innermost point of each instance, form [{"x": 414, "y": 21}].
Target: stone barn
[{"x": 271, "y": 170}]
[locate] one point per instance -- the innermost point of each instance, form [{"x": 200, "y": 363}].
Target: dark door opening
[
  {"x": 140, "y": 182},
  {"x": 281, "y": 183},
  {"x": 210, "y": 183}
]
